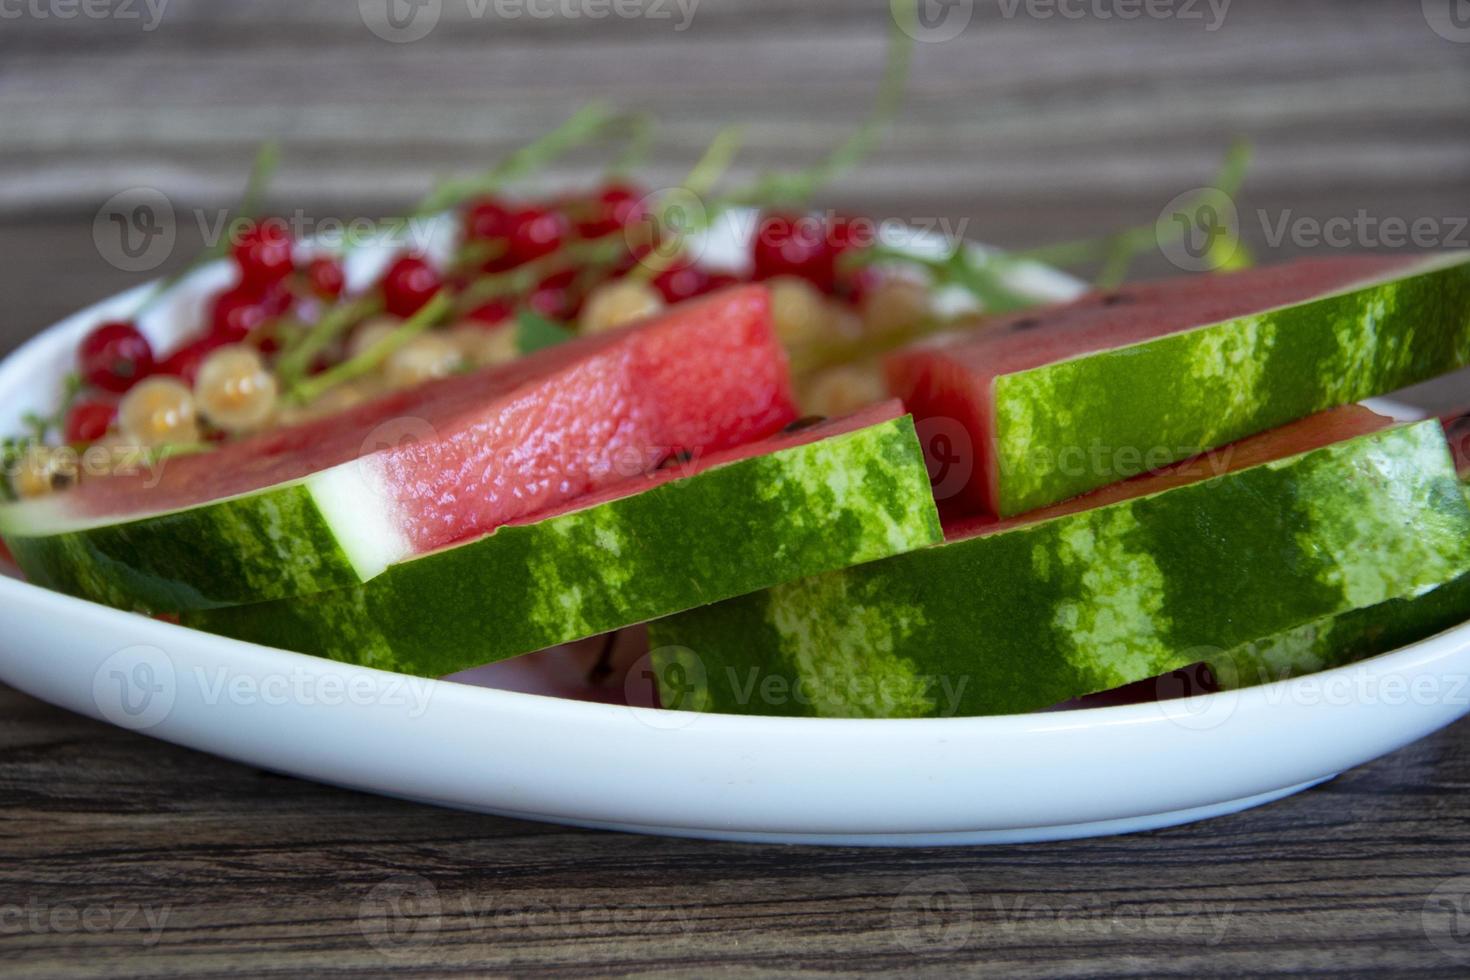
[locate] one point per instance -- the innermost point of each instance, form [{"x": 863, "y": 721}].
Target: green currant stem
[
  {"x": 599, "y": 250},
  {"x": 641, "y": 128},
  {"x": 584, "y": 125},
  {"x": 702, "y": 177},
  {"x": 368, "y": 361},
  {"x": 983, "y": 276},
  {"x": 267, "y": 158},
  {"x": 297, "y": 358},
  {"x": 1116, "y": 251},
  {"x": 41, "y": 425}
]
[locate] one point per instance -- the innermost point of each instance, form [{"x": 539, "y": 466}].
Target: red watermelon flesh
[
  {"x": 1303, "y": 435},
  {"x": 1457, "y": 430},
  {"x": 954, "y": 376},
  {"x": 469, "y": 453}
]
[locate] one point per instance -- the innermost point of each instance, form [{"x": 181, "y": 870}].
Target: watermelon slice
[
  {"x": 804, "y": 502},
  {"x": 333, "y": 503},
  {"x": 1337, "y": 640},
  {"x": 1138, "y": 580},
  {"x": 1056, "y": 403}
]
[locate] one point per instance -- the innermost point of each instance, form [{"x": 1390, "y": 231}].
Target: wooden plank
[
  {"x": 243, "y": 872},
  {"x": 1020, "y": 105}
]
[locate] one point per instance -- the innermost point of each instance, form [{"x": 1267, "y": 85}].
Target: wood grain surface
[{"x": 120, "y": 855}]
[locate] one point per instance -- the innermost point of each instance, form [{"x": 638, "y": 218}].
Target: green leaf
[{"x": 534, "y": 332}]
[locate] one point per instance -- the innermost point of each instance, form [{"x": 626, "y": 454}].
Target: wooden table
[{"x": 119, "y": 854}]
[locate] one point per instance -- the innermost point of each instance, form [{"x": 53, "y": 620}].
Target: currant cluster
[{"x": 592, "y": 261}]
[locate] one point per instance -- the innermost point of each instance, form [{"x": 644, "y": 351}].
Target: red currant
[
  {"x": 845, "y": 233},
  {"x": 408, "y": 285},
  {"x": 553, "y": 302},
  {"x": 115, "y": 356},
  {"x": 263, "y": 253},
  {"x": 680, "y": 282},
  {"x": 559, "y": 280},
  {"x": 236, "y": 312},
  {"x": 89, "y": 419},
  {"x": 184, "y": 363},
  {"x": 630, "y": 260},
  {"x": 493, "y": 313},
  {"x": 860, "y": 283},
  {"x": 277, "y": 299},
  {"x": 720, "y": 280},
  {"x": 617, "y": 206},
  {"x": 791, "y": 245},
  {"x": 535, "y": 233},
  {"x": 487, "y": 219},
  {"x": 325, "y": 277}
]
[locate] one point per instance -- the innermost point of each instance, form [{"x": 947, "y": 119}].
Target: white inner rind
[{"x": 355, "y": 502}]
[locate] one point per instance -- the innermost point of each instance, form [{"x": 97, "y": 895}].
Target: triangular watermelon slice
[
  {"x": 334, "y": 502},
  {"x": 829, "y": 496},
  {"x": 1337, "y": 512},
  {"x": 1047, "y": 405}
]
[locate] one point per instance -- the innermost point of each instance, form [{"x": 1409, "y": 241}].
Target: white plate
[{"x": 502, "y": 750}]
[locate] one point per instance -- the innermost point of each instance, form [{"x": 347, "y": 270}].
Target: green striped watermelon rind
[
  {"x": 278, "y": 541},
  {"x": 1335, "y": 641},
  {"x": 732, "y": 529},
  {"x": 1074, "y": 425},
  {"x": 1021, "y": 619}
]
